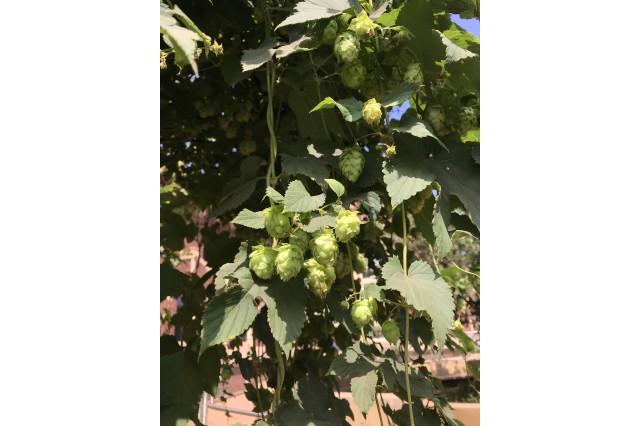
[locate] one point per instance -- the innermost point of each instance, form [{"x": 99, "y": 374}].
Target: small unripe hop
[
  {"x": 360, "y": 264},
  {"x": 300, "y": 239},
  {"x": 372, "y": 112},
  {"x": 436, "y": 117},
  {"x": 247, "y": 147},
  {"x": 391, "y": 331},
  {"x": 403, "y": 35},
  {"x": 347, "y": 225},
  {"x": 344, "y": 305},
  {"x": 353, "y": 74},
  {"x": 289, "y": 261},
  {"x": 330, "y": 32},
  {"x": 351, "y": 163},
  {"x": 320, "y": 277},
  {"x": 342, "y": 265},
  {"x": 217, "y": 48},
  {"x": 373, "y": 86},
  {"x": 324, "y": 247},
  {"x": 414, "y": 74},
  {"x": 276, "y": 222},
  {"x": 360, "y": 313},
  {"x": 346, "y": 47},
  {"x": 262, "y": 261},
  {"x": 363, "y": 26}
]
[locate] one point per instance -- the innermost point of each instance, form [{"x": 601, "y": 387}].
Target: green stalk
[
  {"x": 406, "y": 322},
  {"x": 353, "y": 284},
  {"x": 378, "y": 407}
]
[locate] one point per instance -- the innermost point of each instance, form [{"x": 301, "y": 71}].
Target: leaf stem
[
  {"x": 353, "y": 285},
  {"x": 378, "y": 407},
  {"x": 466, "y": 272},
  {"x": 404, "y": 240}
]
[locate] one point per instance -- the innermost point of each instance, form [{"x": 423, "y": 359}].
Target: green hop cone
[
  {"x": 330, "y": 32},
  {"x": 276, "y": 222},
  {"x": 342, "y": 265},
  {"x": 300, "y": 239},
  {"x": 360, "y": 313},
  {"x": 324, "y": 247},
  {"x": 413, "y": 74},
  {"x": 347, "y": 47},
  {"x": 351, "y": 163},
  {"x": 262, "y": 261},
  {"x": 304, "y": 218},
  {"x": 457, "y": 325},
  {"x": 226, "y": 372},
  {"x": 363, "y": 26},
  {"x": 247, "y": 147},
  {"x": 289, "y": 261},
  {"x": 391, "y": 331},
  {"x": 320, "y": 277},
  {"x": 373, "y": 305},
  {"x": 373, "y": 86},
  {"x": 353, "y": 74},
  {"x": 372, "y": 112},
  {"x": 343, "y": 20},
  {"x": 347, "y": 225},
  {"x": 360, "y": 264},
  {"x": 436, "y": 117},
  {"x": 467, "y": 119},
  {"x": 344, "y": 305},
  {"x": 402, "y": 36}
]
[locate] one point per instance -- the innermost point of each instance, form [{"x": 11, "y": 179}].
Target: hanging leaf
[
  {"x": 297, "y": 199},
  {"x": 252, "y": 59},
  {"x": 312, "y": 10},
  {"x": 250, "y": 219}
]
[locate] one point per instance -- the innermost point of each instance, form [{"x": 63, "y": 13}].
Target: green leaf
[
  {"x": 372, "y": 290},
  {"x": 275, "y": 196},
  {"x": 209, "y": 364},
  {"x": 372, "y": 171},
  {"x": 460, "y": 234},
  {"x": 226, "y": 316},
  {"x": 393, "y": 372},
  {"x": 252, "y": 59},
  {"x": 172, "y": 281},
  {"x": 363, "y": 389},
  {"x": 459, "y": 175},
  {"x": 182, "y": 40},
  {"x": 426, "y": 43},
  {"x": 443, "y": 241},
  {"x": 302, "y": 44},
  {"x": 306, "y": 165},
  {"x": 454, "y": 52},
  {"x": 229, "y": 268},
  {"x": 462, "y": 38},
  {"x": 238, "y": 190},
  {"x": 286, "y": 315},
  {"x": 336, "y": 186},
  {"x": 404, "y": 177},
  {"x": 351, "y": 108},
  {"x": 250, "y": 219},
  {"x": 297, "y": 199},
  {"x": 389, "y": 19},
  {"x": 465, "y": 342},
  {"x": 355, "y": 360},
  {"x": 424, "y": 220},
  {"x": 318, "y": 222},
  {"x": 180, "y": 379},
  {"x": 416, "y": 127},
  {"x": 399, "y": 94},
  {"x": 312, "y": 10},
  {"x": 186, "y": 21},
  {"x": 425, "y": 290},
  {"x": 370, "y": 201},
  {"x": 263, "y": 399}
]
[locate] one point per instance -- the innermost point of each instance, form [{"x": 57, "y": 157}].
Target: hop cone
[
  {"x": 262, "y": 261},
  {"x": 363, "y": 26},
  {"x": 247, "y": 147},
  {"x": 342, "y": 265},
  {"x": 360, "y": 313},
  {"x": 347, "y": 47},
  {"x": 276, "y": 222},
  {"x": 300, "y": 239},
  {"x": 324, "y": 247},
  {"x": 414, "y": 74},
  {"x": 391, "y": 331},
  {"x": 373, "y": 86},
  {"x": 347, "y": 225},
  {"x": 403, "y": 35},
  {"x": 351, "y": 163},
  {"x": 353, "y": 74},
  {"x": 330, "y": 32},
  {"x": 372, "y": 112},
  {"x": 436, "y": 117},
  {"x": 373, "y": 305},
  {"x": 320, "y": 277},
  {"x": 289, "y": 261},
  {"x": 360, "y": 264},
  {"x": 467, "y": 119}
]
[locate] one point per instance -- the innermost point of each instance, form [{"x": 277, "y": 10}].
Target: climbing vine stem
[{"x": 406, "y": 318}]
